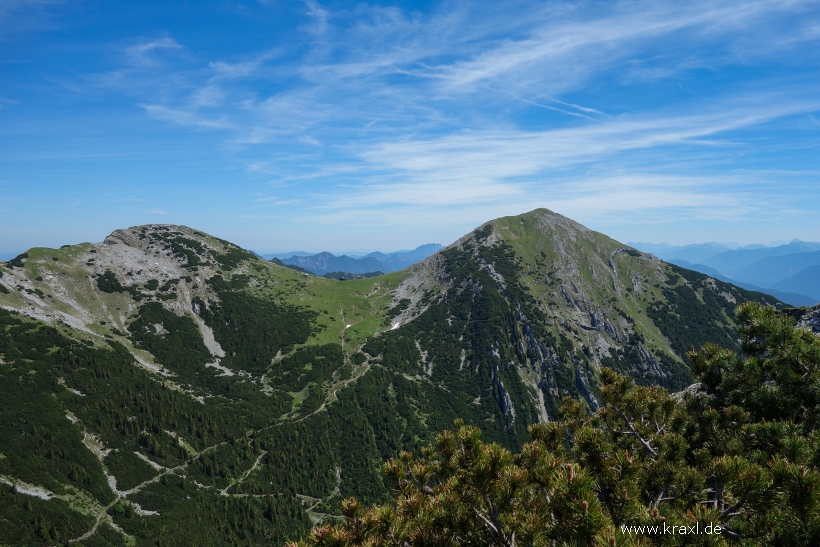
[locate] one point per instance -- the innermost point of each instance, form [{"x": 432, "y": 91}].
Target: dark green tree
[{"x": 735, "y": 455}]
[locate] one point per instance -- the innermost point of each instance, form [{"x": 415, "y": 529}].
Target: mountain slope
[
  {"x": 168, "y": 383},
  {"x": 699, "y": 268},
  {"x": 554, "y": 301}
]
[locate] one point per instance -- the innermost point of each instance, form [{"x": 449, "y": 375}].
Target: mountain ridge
[
  {"x": 806, "y": 280},
  {"x": 733, "y": 261},
  {"x": 325, "y": 262},
  {"x": 769, "y": 271},
  {"x": 181, "y": 383}
]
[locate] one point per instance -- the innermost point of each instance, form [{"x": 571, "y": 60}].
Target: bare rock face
[
  {"x": 696, "y": 390},
  {"x": 426, "y": 277},
  {"x": 549, "y": 222},
  {"x": 142, "y": 262},
  {"x": 808, "y": 318}
]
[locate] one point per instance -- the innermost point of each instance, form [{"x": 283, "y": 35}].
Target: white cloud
[
  {"x": 382, "y": 70},
  {"x": 208, "y": 96},
  {"x": 22, "y": 16},
  {"x": 376, "y": 109},
  {"x": 319, "y": 14},
  {"x": 183, "y": 117},
  {"x": 273, "y": 200},
  {"x": 509, "y": 153},
  {"x": 236, "y": 70},
  {"x": 138, "y": 54}
]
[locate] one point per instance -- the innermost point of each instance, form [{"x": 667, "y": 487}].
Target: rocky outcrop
[{"x": 808, "y": 318}]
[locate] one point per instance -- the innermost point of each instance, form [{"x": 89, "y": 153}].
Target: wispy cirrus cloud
[
  {"x": 184, "y": 117},
  {"x": 145, "y": 71},
  {"x": 319, "y": 15},
  {"x": 645, "y": 107},
  {"x": 18, "y": 17},
  {"x": 140, "y": 54},
  {"x": 413, "y": 74},
  {"x": 571, "y": 170},
  {"x": 581, "y": 45}
]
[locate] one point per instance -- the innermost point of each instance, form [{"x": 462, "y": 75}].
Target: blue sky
[{"x": 285, "y": 125}]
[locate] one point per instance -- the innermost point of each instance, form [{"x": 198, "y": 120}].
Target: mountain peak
[{"x": 170, "y": 349}]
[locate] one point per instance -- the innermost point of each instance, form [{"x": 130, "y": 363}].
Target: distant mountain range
[
  {"x": 790, "y": 272},
  {"x": 694, "y": 254},
  {"x": 795, "y": 299},
  {"x": 324, "y": 263}
]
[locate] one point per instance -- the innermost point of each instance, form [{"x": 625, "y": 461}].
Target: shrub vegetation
[{"x": 739, "y": 450}]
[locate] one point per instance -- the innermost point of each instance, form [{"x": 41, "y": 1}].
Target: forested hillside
[
  {"x": 166, "y": 387},
  {"x": 733, "y": 460}
]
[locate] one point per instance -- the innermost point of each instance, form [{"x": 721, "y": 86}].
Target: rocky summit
[{"x": 166, "y": 387}]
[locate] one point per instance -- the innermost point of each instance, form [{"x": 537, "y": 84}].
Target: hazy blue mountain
[
  {"x": 421, "y": 252},
  {"x": 694, "y": 254},
  {"x": 767, "y": 272},
  {"x": 755, "y": 264},
  {"x": 291, "y": 266},
  {"x": 401, "y": 259},
  {"x": 325, "y": 262},
  {"x": 807, "y": 281},
  {"x": 788, "y": 296},
  {"x": 731, "y": 263},
  {"x": 271, "y": 256},
  {"x": 394, "y": 261}
]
